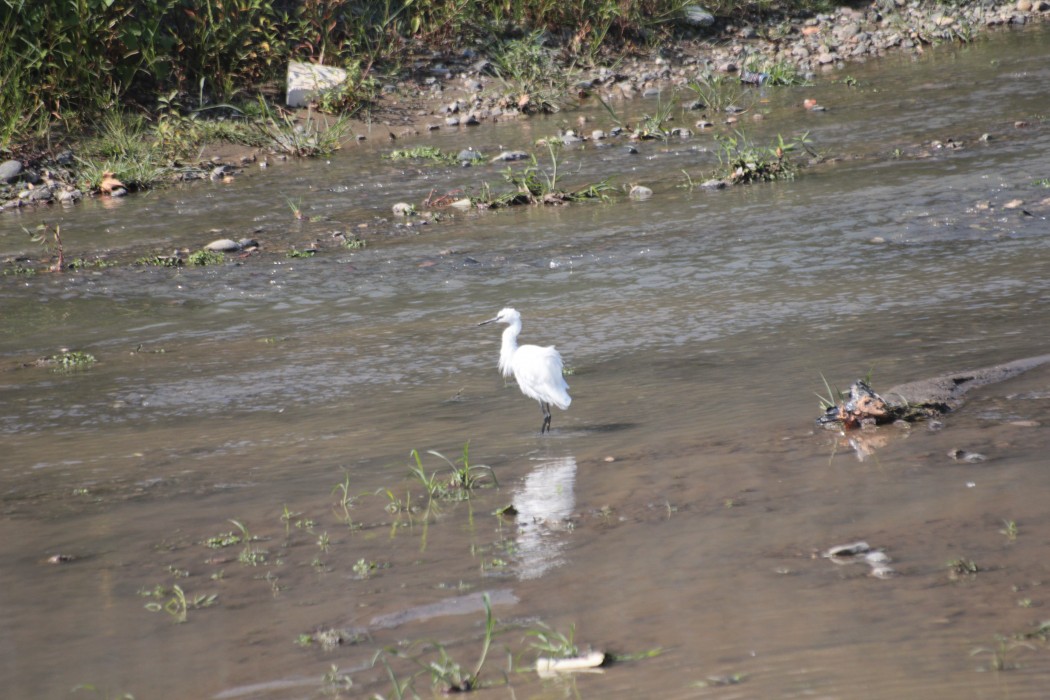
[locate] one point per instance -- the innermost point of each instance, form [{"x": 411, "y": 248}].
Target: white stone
[{"x": 305, "y": 80}]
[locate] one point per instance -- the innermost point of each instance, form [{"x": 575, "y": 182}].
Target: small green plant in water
[
  {"x": 364, "y": 568},
  {"x": 287, "y": 516},
  {"x": 833, "y": 397},
  {"x": 50, "y": 239},
  {"x": 71, "y": 360},
  {"x": 159, "y": 261},
  {"x": 431, "y": 153},
  {"x": 346, "y": 499},
  {"x": 654, "y": 126},
  {"x": 466, "y": 476},
  {"x": 999, "y": 656},
  {"x": 178, "y": 604},
  {"x": 225, "y": 539},
  {"x": 335, "y": 681},
  {"x": 250, "y": 555},
  {"x": 19, "y": 270},
  {"x": 206, "y": 257},
  {"x": 718, "y": 93},
  {"x": 445, "y": 672},
  {"x": 962, "y": 568},
  {"x": 553, "y": 643},
  {"x": 776, "y": 72}
]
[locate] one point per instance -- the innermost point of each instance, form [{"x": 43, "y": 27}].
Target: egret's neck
[{"x": 509, "y": 347}]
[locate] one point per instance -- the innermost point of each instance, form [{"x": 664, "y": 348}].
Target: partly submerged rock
[
  {"x": 640, "y": 192},
  {"x": 223, "y": 245},
  {"x": 505, "y": 156}
]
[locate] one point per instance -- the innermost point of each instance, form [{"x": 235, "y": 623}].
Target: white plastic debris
[{"x": 587, "y": 663}]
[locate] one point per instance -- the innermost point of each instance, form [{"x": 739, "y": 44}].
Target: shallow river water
[{"x": 675, "y": 514}]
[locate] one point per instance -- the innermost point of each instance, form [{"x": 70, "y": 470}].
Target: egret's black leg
[{"x": 546, "y": 427}]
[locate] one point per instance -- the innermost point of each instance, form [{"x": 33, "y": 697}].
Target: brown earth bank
[{"x": 442, "y": 90}]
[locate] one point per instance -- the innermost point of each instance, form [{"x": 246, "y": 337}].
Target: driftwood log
[{"x": 918, "y": 400}]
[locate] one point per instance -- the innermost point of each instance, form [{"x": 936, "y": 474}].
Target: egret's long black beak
[{"x": 489, "y": 321}]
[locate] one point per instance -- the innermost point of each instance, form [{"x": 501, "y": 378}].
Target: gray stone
[
  {"x": 69, "y": 196},
  {"x": 39, "y": 194},
  {"x": 505, "y": 156},
  {"x": 468, "y": 155},
  {"x": 696, "y": 16},
  {"x": 10, "y": 170},
  {"x": 223, "y": 245}
]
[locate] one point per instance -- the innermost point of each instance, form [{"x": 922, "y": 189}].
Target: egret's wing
[{"x": 539, "y": 374}]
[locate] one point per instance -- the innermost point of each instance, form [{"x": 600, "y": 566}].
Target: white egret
[{"x": 537, "y": 370}]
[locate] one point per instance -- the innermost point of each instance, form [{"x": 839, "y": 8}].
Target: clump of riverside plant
[
  {"x": 309, "y": 136},
  {"x": 529, "y": 70},
  {"x": 463, "y": 478},
  {"x": 743, "y": 161},
  {"x": 719, "y": 92},
  {"x": 536, "y": 185},
  {"x": 68, "y": 360},
  {"x": 431, "y": 153}
]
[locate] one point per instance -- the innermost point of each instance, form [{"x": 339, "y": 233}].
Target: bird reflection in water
[{"x": 544, "y": 502}]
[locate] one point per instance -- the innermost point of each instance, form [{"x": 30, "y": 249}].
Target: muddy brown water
[{"x": 681, "y": 502}]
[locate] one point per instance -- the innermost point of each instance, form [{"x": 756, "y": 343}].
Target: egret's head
[{"x": 506, "y": 315}]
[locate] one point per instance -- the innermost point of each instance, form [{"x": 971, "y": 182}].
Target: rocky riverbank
[{"x": 441, "y": 91}]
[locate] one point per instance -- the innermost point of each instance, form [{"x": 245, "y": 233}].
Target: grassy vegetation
[{"x": 64, "y": 66}]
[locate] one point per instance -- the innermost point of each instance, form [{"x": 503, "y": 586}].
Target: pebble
[
  {"x": 403, "y": 209},
  {"x": 967, "y": 457}
]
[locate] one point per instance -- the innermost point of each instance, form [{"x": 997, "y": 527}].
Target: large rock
[
  {"x": 306, "y": 80},
  {"x": 10, "y": 170}
]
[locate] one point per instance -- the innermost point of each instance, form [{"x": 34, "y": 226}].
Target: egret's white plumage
[{"x": 537, "y": 370}]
